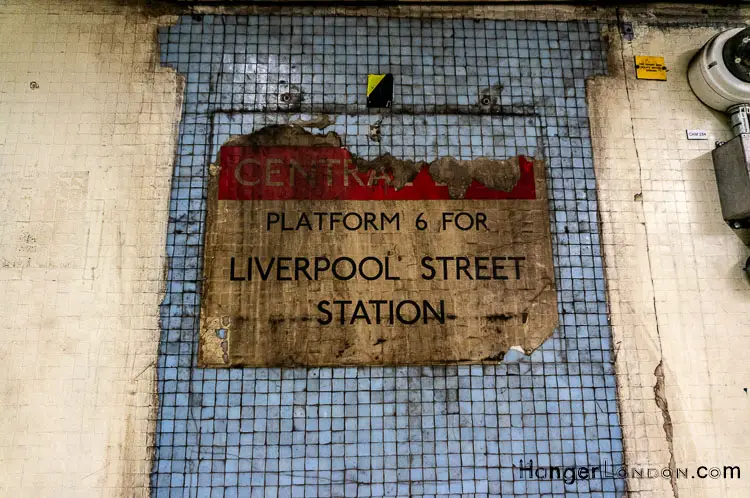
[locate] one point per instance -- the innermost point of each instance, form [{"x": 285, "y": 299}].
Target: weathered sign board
[{"x": 315, "y": 257}]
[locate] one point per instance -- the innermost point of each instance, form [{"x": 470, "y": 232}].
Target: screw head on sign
[{"x": 33, "y": 85}]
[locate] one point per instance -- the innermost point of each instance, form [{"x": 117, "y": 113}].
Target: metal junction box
[{"x": 732, "y": 165}]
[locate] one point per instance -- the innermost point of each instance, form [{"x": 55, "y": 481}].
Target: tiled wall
[
  {"x": 390, "y": 431},
  {"x": 86, "y": 155}
]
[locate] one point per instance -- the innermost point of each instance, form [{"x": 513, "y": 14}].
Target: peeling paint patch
[
  {"x": 318, "y": 122},
  {"x": 286, "y": 135},
  {"x": 256, "y": 167}
]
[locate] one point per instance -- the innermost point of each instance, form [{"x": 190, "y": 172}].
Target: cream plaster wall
[
  {"x": 87, "y": 133},
  {"x": 680, "y": 305}
]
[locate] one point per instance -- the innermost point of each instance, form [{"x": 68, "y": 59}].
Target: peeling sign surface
[{"x": 316, "y": 257}]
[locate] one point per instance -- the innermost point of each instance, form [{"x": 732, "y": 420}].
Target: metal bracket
[{"x": 626, "y": 28}]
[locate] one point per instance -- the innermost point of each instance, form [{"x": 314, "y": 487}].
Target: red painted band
[{"x": 328, "y": 173}]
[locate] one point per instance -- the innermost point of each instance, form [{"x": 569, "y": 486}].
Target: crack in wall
[
  {"x": 659, "y": 386},
  {"x": 660, "y": 395}
]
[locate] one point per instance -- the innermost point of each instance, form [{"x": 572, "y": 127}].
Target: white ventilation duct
[{"x": 720, "y": 73}]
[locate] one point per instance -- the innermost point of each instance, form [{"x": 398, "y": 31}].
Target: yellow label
[
  {"x": 373, "y": 80},
  {"x": 650, "y": 68}
]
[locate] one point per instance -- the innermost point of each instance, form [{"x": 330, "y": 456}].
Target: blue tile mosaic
[{"x": 462, "y": 87}]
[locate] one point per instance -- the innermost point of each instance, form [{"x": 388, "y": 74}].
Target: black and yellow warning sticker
[
  {"x": 648, "y": 67},
  {"x": 379, "y": 90}
]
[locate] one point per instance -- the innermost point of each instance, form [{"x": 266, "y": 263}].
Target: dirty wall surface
[
  {"x": 87, "y": 135},
  {"x": 87, "y": 145},
  {"x": 379, "y": 430},
  {"x": 678, "y": 297}
]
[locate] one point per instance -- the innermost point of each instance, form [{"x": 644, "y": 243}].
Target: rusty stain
[
  {"x": 290, "y": 97},
  {"x": 496, "y": 357},
  {"x": 489, "y": 98},
  {"x": 518, "y": 109},
  {"x": 374, "y": 132},
  {"x": 225, "y": 351}
]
